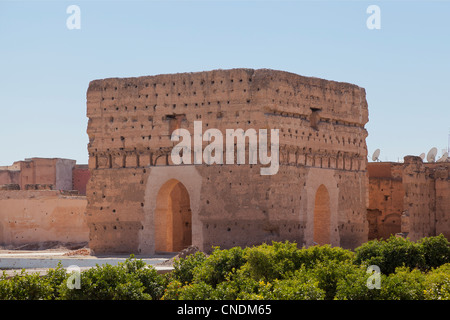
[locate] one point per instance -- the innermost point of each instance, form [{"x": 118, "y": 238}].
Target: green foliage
[
  {"x": 296, "y": 289},
  {"x": 276, "y": 261},
  {"x": 193, "y": 291},
  {"x": 131, "y": 280},
  {"x": 353, "y": 286},
  {"x": 315, "y": 254},
  {"x": 437, "y": 283},
  {"x": 435, "y": 251},
  {"x": 403, "y": 284},
  {"x": 390, "y": 254},
  {"x": 269, "y": 262},
  {"x": 184, "y": 267},
  {"x": 279, "y": 271},
  {"x": 218, "y": 265},
  {"x": 240, "y": 285},
  {"x": 23, "y": 286},
  {"x": 328, "y": 273},
  {"x": 32, "y": 286}
]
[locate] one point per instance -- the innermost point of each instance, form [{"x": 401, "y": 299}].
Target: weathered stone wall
[
  {"x": 442, "y": 187},
  {"x": 427, "y": 189},
  {"x": 385, "y": 199},
  {"x": 35, "y": 217},
  {"x": 322, "y": 142},
  {"x": 46, "y": 173},
  {"x": 63, "y": 174},
  {"x": 418, "y": 192},
  {"x": 9, "y": 177},
  {"x": 80, "y": 178}
]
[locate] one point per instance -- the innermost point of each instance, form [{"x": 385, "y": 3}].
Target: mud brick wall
[
  {"x": 386, "y": 196},
  {"x": 132, "y": 203},
  {"x": 32, "y": 217},
  {"x": 416, "y": 192},
  {"x": 427, "y": 190}
]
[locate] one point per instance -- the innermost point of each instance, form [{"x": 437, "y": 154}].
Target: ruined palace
[
  {"x": 43, "y": 203},
  {"x": 140, "y": 201},
  {"x": 411, "y": 198}
]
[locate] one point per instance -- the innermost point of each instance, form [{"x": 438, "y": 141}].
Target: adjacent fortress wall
[
  {"x": 386, "y": 196},
  {"x": 53, "y": 172},
  {"x": 33, "y": 213},
  {"x": 35, "y": 217},
  {"x": 132, "y": 202},
  {"x": 409, "y": 198},
  {"x": 80, "y": 178},
  {"x": 426, "y": 203}
]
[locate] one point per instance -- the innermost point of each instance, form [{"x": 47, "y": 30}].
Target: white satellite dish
[
  {"x": 443, "y": 158},
  {"x": 422, "y": 155},
  {"x": 375, "y": 155},
  {"x": 431, "y": 156}
]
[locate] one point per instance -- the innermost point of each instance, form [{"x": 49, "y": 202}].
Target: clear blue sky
[{"x": 45, "y": 68}]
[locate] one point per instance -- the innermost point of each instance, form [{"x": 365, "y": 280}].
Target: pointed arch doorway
[
  {"x": 322, "y": 216},
  {"x": 173, "y": 218}
]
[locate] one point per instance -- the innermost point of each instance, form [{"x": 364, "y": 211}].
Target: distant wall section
[{"x": 36, "y": 217}]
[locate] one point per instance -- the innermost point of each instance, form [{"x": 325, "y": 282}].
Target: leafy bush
[
  {"x": 32, "y": 286},
  {"x": 55, "y": 277},
  {"x": 315, "y": 254},
  {"x": 390, "y": 254},
  {"x": 353, "y": 286},
  {"x": 240, "y": 285},
  {"x": 184, "y": 267},
  {"x": 218, "y": 265},
  {"x": 437, "y": 283},
  {"x": 23, "y": 286},
  {"x": 131, "y": 280},
  {"x": 403, "y": 284},
  {"x": 276, "y": 261},
  {"x": 435, "y": 251},
  {"x": 152, "y": 282},
  {"x": 269, "y": 262},
  {"x": 296, "y": 289},
  {"x": 193, "y": 291},
  {"x": 328, "y": 273},
  {"x": 410, "y": 271}
]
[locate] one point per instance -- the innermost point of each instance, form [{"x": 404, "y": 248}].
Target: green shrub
[
  {"x": 56, "y": 277},
  {"x": 315, "y": 254},
  {"x": 171, "y": 292},
  {"x": 403, "y": 284},
  {"x": 277, "y": 261},
  {"x": 131, "y": 280},
  {"x": 353, "y": 286},
  {"x": 328, "y": 273},
  {"x": 435, "y": 251},
  {"x": 296, "y": 289},
  {"x": 390, "y": 254},
  {"x": 240, "y": 285},
  {"x": 194, "y": 291},
  {"x": 281, "y": 271},
  {"x": 218, "y": 265},
  {"x": 437, "y": 283},
  {"x": 269, "y": 262},
  {"x": 152, "y": 282},
  {"x": 25, "y": 286},
  {"x": 184, "y": 267}
]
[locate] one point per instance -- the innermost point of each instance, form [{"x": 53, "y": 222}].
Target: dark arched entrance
[
  {"x": 173, "y": 218},
  {"x": 322, "y": 216}
]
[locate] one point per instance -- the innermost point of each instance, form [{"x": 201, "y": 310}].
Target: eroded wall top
[{"x": 137, "y": 115}]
